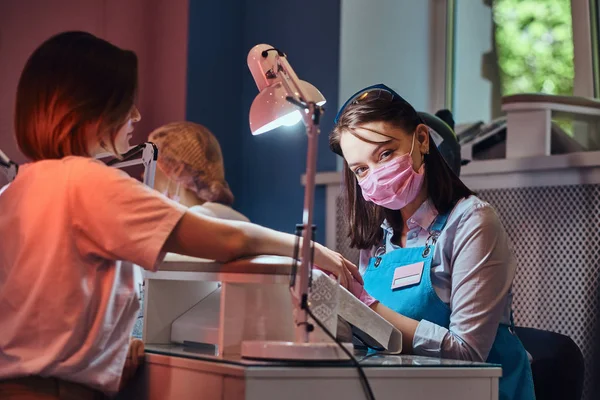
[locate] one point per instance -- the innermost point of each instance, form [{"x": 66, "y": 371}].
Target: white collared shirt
[{"x": 472, "y": 271}]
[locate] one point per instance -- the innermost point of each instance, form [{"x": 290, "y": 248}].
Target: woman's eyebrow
[{"x": 379, "y": 147}]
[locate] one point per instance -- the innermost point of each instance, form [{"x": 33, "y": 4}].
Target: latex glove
[
  {"x": 358, "y": 290},
  {"x": 355, "y": 287}
]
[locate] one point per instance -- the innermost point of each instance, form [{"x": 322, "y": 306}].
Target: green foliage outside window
[{"x": 534, "y": 40}]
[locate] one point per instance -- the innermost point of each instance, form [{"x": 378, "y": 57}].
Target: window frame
[{"x": 442, "y": 47}]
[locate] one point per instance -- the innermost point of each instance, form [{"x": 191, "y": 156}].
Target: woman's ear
[{"x": 423, "y": 138}]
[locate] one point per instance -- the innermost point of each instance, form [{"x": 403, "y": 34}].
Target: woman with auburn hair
[{"x": 67, "y": 302}]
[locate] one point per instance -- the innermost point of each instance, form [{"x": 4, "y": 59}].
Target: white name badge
[{"x": 407, "y": 275}]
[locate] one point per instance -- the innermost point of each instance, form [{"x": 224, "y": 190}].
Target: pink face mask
[{"x": 395, "y": 183}]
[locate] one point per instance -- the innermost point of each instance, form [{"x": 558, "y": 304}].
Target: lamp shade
[{"x": 270, "y": 109}]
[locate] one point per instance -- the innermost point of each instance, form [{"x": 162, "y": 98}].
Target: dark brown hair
[
  {"x": 74, "y": 88},
  {"x": 445, "y": 189}
]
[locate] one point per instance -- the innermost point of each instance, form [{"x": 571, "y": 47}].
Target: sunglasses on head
[{"x": 374, "y": 92}]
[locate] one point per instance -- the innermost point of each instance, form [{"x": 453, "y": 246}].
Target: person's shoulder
[
  {"x": 471, "y": 203},
  {"x": 82, "y": 163},
  {"x": 70, "y": 170},
  {"x": 88, "y": 177},
  {"x": 475, "y": 210},
  {"x": 85, "y": 169}
]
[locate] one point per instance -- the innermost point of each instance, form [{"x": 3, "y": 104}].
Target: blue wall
[
  {"x": 215, "y": 65},
  {"x": 264, "y": 171}
]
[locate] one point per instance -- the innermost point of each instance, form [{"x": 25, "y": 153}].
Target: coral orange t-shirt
[{"x": 72, "y": 234}]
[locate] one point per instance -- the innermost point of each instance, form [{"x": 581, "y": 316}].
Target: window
[
  {"x": 504, "y": 47},
  {"x": 534, "y": 46}
]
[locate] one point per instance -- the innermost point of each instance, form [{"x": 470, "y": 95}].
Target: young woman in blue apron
[{"x": 435, "y": 258}]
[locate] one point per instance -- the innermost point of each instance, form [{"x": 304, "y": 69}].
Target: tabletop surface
[{"x": 365, "y": 358}]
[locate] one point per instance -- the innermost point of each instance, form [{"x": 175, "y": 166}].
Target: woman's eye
[
  {"x": 385, "y": 154},
  {"x": 359, "y": 171}
]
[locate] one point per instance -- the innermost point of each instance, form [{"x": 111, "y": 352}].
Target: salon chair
[{"x": 557, "y": 366}]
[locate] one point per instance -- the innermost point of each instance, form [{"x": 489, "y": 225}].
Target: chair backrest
[{"x": 558, "y": 366}]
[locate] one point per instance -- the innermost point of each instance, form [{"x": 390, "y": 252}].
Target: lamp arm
[
  {"x": 291, "y": 83},
  {"x": 13, "y": 169},
  {"x": 4, "y": 159},
  {"x": 303, "y": 279},
  {"x": 149, "y": 159},
  {"x": 311, "y": 113}
]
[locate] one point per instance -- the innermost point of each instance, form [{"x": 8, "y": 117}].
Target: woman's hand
[{"x": 334, "y": 263}]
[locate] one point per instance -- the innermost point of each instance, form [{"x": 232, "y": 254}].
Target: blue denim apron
[{"x": 420, "y": 301}]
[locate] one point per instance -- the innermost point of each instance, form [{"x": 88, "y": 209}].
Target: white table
[
  {"x": 171, "y": 372},
  {"x": 174, "y": 372}
]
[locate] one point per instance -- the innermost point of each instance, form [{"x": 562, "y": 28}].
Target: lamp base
[{"x": 293, "y": 351}]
